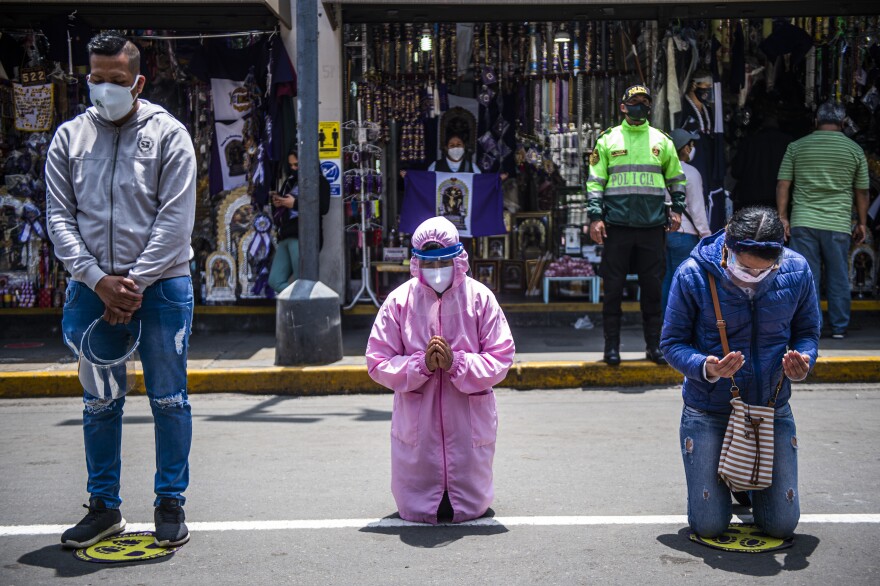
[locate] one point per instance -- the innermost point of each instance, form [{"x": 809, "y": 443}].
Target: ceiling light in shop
[
  {"x": 427, "y": 43},
  {"x": 562, "y": 36}
]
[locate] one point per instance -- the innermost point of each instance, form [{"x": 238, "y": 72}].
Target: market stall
[
  {"x": 530, "y": 99},
  {"x": 233, "y": 90}
]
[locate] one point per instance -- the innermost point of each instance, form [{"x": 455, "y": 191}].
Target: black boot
[
  {"x": 652, "y": 326},
  {"x": 612, "y": 351},
  {"x": 611, "y": 329},
  {"x": 655, "y": 355}
]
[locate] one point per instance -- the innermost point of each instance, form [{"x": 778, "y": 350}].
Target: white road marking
[{"x": 573, "y": 521}]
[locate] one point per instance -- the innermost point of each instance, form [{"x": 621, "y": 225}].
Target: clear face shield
[{"x": 108, "y": 359}]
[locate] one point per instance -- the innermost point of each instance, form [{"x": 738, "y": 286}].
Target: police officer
[{"x": 631, "y": 168}]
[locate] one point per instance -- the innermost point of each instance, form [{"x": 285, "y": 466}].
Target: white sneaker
[{"x": 583, "y": 323}]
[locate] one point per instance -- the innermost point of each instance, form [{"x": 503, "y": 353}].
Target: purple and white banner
[{"x": 474, "y": 203}]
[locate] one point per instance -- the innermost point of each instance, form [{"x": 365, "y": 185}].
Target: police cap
[{"x": 636, "y": 90}]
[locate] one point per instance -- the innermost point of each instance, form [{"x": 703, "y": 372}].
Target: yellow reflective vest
[{"x": 631, "y": 169}]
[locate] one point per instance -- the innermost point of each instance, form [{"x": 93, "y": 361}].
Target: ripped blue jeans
[
  {"x": 166, "y": 321},
  {"x": 776, "y": 509}
]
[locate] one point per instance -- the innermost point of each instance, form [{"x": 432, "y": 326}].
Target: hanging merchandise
[
  {"x": 230, "y": 150},
  {"x": 231, "y": 99},
  {"x": 362, "y": 194},
  {"x": 34, "y": 107}
]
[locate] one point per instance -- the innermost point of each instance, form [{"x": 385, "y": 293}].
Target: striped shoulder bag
[{"x": 746, "y": 461}]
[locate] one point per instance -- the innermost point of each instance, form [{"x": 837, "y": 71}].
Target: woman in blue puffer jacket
[{"x": 769, "y": 302}]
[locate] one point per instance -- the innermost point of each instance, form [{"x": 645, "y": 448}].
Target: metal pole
[
  {"x": 307, "y": 105},
  {"x": 308, "y": 325}
]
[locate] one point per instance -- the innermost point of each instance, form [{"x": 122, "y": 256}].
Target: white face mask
[
  {"x": 439, "y": 279},
  {"x": 744, "y": 276},
  {"x": 692, "y": 154},
  {"x": 112, "y": 101},
  {"x": 456, "y": 153}
]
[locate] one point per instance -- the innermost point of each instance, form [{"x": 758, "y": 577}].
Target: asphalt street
[{"x": 589, "y": 490}]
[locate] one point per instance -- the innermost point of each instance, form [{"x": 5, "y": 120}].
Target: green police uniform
[{"x": 632, "y": 168}]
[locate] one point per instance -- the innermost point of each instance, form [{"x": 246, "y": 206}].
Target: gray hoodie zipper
[{"x": 112, "y": 178}]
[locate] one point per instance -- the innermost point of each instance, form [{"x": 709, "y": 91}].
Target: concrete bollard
[{"x": 308, "y": 326}]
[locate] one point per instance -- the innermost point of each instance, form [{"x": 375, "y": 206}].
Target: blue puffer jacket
[{"x": 784, "y": 314}]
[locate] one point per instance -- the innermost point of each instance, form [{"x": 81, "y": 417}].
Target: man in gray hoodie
[{"x": 121, "y": 189}]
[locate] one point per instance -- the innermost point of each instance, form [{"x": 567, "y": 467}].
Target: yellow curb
[
  {"x": 846, "y": 369},
  {"x": 329, "y": 380},
  {"x": 508, "y": 307}
]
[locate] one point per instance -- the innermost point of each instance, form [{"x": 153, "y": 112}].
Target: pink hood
[
  {"x": 440, "y": 230},
  {"x": 443, "y": 424}
]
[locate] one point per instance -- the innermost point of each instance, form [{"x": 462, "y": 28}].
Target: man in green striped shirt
[{"x": 828, "y": 170}]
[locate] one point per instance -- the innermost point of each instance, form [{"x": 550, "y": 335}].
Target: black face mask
[
  {"x": 294, "y": 174},
  {"x": 638, "y": 112},
  {"x": 704, "y": 95}
]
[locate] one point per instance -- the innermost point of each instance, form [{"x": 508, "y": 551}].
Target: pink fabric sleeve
[
  {"x": 386, "y": 361},
  {"x": 473, "y": 372}
]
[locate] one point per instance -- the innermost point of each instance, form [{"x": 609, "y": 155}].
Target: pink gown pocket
[
  {"x": 405, "y": 417},
  {"x": 484, "y": 419}
]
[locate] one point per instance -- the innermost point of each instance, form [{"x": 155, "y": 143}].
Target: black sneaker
[
  {"x": 171, "y": 531},
  {"x": 100, "y": 522},
  {"x": 839, "y": 335}
]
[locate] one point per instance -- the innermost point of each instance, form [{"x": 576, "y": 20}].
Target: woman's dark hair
[
  {"x": 432, "y": 246},
  {"x": 760, "y": 224},
  {"x": 452, "y": 135},
  {"x": 293, "y": 151},
  {"x": 111, "y": 44}
]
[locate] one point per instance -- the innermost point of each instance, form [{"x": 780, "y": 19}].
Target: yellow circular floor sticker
[
  {"x": 126, "y": 547},
  {"x": 740, "y": 537}
]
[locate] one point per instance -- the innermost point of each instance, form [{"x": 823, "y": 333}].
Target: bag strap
[
  {"x": 722, "y": 329},
  {"x": 691, "y": 220},
  {"x": 719, "y": 319},
  {"x": 772, "y": 402}
]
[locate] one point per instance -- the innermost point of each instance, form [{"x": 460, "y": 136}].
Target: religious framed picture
[
  {"x": 486, "y": 272},
  {"x": 531, "y": 235},
  {"x": 513, "y": 276},
  {"x": 496, "y": 247},
  {"x": 531, "y": 269}
]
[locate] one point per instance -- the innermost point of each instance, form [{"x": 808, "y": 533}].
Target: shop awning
[
  {"x": 523, "y": 10},
  {"x": 179, "y": 15}
]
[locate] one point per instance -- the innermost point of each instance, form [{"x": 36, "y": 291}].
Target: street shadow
[
  {"x": 795, "y": 558},
  {"x": 373, "y": 415},
  {"x": 629, "y": 390},
  {"x": 55, "y": 557},
  {"x": 261, "y": 413},
  {"x": 126, "y": 420},
  {"x": 434, "y": 536}
]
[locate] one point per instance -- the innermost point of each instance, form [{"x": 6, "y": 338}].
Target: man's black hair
[
  {"x": 432, "y": 245},
  {"x": 758, "y": 223},
  {"x": 111, "y": 44}
]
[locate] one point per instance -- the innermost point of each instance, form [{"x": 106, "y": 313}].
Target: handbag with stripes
[{"x": 746, "y": 461}]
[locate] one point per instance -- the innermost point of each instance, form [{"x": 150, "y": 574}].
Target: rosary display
[
  {"x": 535, "y": 96},
  {"x": 542, "y": 93}
]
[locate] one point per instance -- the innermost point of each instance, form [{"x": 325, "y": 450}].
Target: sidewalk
[{"x": 547, "y": 357}]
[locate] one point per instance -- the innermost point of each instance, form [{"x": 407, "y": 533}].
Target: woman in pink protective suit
[{"x": 440, "y": 342}]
